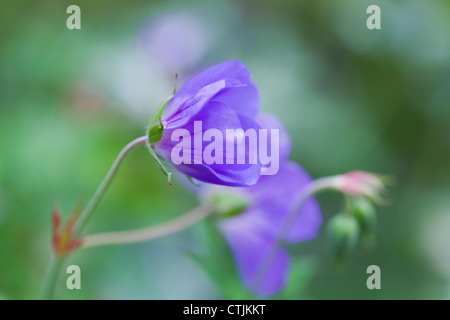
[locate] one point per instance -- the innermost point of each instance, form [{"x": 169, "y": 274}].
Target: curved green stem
[
  {"x": 125, "y": 237},
  {"x": 93, "y": 204},
  {"x": 143, "y": 234},
  {"x": 56, "y": 263},
  {"x": 51, "y": 277}
]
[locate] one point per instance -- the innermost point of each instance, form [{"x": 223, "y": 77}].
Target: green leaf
[
  {"x": 302, "y": 272},
  {"x": 218, "y": 263}
]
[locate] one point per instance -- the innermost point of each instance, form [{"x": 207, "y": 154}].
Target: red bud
[{"x": 62, "y": 237}]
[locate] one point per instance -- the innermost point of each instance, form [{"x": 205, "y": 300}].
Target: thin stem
[
  {"x": 51, "y": 278},
  {"x": 147, "y": 233},
  {"x": 93, "y": 204},
  {"x": 57, "y": 262},
  {"x": 347, "y": 204},
  {"x": 308, "y": 191}
]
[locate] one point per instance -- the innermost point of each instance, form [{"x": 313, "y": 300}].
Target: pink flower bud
[{"x": 361, "y": 183}]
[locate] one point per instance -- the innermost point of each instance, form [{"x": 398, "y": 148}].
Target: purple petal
[
  {"x": 275, "y": 195},
  {"x": 232, "y": 178},
  {"x": 250, "y": 239},
  {"x": 217, "y": 116},
  {"x": 269, "y": 121},
  {"x": 212, "y": 115},
  {"x": 187, "y": 111},
  {"x": 243, "y": 99}
]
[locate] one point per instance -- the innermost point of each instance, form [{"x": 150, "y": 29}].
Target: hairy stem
[
  {"x": 93, "y": 204},
  {"x": 147, "y": 233},
  {"x": 56, "y": 263}
]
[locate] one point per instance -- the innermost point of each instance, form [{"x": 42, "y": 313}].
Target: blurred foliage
[{"x": 351, "y": 98}]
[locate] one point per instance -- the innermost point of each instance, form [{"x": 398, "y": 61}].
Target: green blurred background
[{"x": 351, "y": 98}]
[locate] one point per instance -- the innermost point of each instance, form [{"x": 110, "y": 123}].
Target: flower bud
[
  {"x": 343, "y": 233},
  {"x": 364, "y": 212},
  {"x": 361, "y": 183},
  {"x": 63, "y": 236}
]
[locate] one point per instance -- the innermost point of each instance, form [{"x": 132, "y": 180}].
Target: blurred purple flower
[
  {"x": 252, "y": 232},
  {"x": 269, "y": 121},
  {"x": 221, "y": 97},
  {"x": 176, "y": 40}
]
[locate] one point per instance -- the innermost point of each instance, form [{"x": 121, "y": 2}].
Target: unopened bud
[
  {"x": 361, "y": 183},
  {"x": 343, "y": 232},
  {"x": 63, "y": 240},
  {"x": 364, "y": 212}
]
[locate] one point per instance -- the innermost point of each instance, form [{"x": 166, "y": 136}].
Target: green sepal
[
  {"x": 229, "y": 204},
  {"x": 160, "y": 110},
  {"x": 191, "y": 180},
  {"x": 155, "y": 133},
  {"x": 160, "y": 165}
]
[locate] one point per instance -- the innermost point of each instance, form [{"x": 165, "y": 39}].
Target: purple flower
[
  {"x": 177, "y": 40},
  {"x": 252, "y": 232},
  {"x": 221, "y": 98}
]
